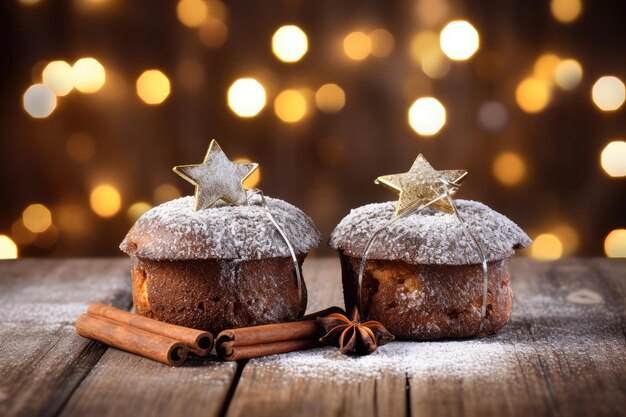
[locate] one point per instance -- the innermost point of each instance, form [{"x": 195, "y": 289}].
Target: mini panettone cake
[
  {"x": 227, "y": 258},
  {"x": 431, "y": 268}
]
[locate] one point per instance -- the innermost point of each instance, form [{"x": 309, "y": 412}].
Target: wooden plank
[
  {"x": 563, "y": 353},
  {"x": 41, "y": 358},
  {"x": 273, "y": 387}
]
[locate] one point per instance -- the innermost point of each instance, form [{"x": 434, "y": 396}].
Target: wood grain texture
[
  {"x": 42, "y": 359},
  {"x": 562, "y": 354}
]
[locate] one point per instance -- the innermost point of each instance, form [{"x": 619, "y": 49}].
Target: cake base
[
  {"x": 215, "y": 295},
  {"x": 426, "y": 302}
]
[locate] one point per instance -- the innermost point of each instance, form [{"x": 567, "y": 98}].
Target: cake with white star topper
[
  {"x": 423, "y": 275},
  {"x": 218, "y": 260}
]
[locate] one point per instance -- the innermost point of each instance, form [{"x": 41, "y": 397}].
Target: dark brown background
[{"x": 138, "y": 144}]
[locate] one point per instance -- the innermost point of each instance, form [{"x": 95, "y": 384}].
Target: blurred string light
[
  {"x": 37, "y": 218},
  {"x": 39, "y": 101},
  {"x": 8, "y": 248},
  {"x": 382, "y": 43},
  {"x": 80, "y": 147},
  {"x": 613, "y": 158},
  {"x": 509, "y": 168},
  {"x": 357, "y": 46},
  {"x": 546, "y": 247},
  {"x": 568, "y": 236},
  {"x": 608, "y": 93},
  {"x": 137, "y": 209},
  {"x": 426, "y": 52},
  {"x": 459, "y": 40},
  {"x": 432, "y": 12},
  {"x": 213, "y": 32},
  {"x": 545, "y": 67},
  {"x": 289, "y": 43},
  {"x": 568, "y": 74},
  {"x": 532, "y": 95},
  {"x": 165, "y": 192},
  {"x": 246, "y": 97},
  {"x": 290, "y": 106},
  {"x": 427, "y": 116},
  {"x": 88, "y": 75},
  {"x": 330, "y": 98},
  {"x": 192, "y": 13},
  {"x": 105, "y": 200},
  {"x": 72, "y": 220},
  {"x": 566, "y": 11},
  {"x": 29, "y": 2},
  {"x": 57, "y": 75},
  {"x": 254, "y": 178},
  {"x": 615, "y": 244},
  {"x": 153, "y": 87},
  {"x": 20, "y": 234},
  {"x": 493, "y": 116}
]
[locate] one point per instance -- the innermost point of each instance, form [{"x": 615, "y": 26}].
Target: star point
[
  {"x": 217, "y": 178},
  {"x": 420, "y": 185}
]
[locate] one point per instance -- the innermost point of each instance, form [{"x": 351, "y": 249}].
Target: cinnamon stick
[
  {"x": 141, "y": 342},
  {"x": 269, "y": 339},
  {"x": 199, "y": 342},
  {"x": 228, "y": 352}
]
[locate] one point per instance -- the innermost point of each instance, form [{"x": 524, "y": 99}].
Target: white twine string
[
  {"x": 294, "y": 258},
  {"x": 449, "y": 189}
]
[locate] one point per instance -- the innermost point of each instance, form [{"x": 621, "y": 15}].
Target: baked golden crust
[
  {"x": 214, "y": 295},
  {"x": 425, "y": 302}
]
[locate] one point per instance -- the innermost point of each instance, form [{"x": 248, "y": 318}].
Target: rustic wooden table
[{"x": 563, "y": 353}]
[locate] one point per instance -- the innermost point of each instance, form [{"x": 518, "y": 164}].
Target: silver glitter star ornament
[{"x": 217, "y": 178}]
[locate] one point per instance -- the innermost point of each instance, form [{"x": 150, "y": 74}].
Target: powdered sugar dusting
[
  {"x": 430, "y": 236},
  {"x": 173, "y": 231}
]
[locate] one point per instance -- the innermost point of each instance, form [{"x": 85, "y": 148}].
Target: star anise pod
[{"x": 352, "y": 336}]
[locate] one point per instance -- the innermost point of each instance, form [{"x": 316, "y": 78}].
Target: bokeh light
[
  {"x": 532, "y": 95},
  {"x": 8, "y": 248},
  {"x": 357, "y": 46},
  {"x": 330, "y": 98},
  {"x": 568, "y": 74},
  {"x": 608, "y": 93},
  {"x": 289, "y": 43},
  {"x": 290, "y": 106},
  {"x": 213, "y": 33},
  {"x": 20, "y": 234},
  {"x": 137, "y": 209},
  {"x": 57, "y": 75},
  {"x": 427, "y": 116},
  {"x": 192, "y": 13},
  {"x": 545, "y": 67},
  {"x": 80, "y": 147},
  {"x": 105, "y": 200},
  {"x": 254, "y": 178},
  {"x": 39, "y": 101},
  {"x": 166, "y": 192},
  {"x": 613, "y": 158},
  {"x": 459, "y": 40},
  {"x": 246, "y": 97},
  {"x": 72, "y": 219},
  {"x": 37, "y": 218},
  {"x": 431, "y": 12},
  {"x": 615, "y": 244},
  {"x": 382, "y": 43},
  {"x": 153, "y": 87},
  {"x": 88, "y": 75},
  {"x": 426, "y": 52},
  {"x": 509, "y": 168},
  {"x": 29, "y": 2},
  {"x": 568, "y": 236},
  {"x": 566, "y": 11},
  {"x": 546, "y": 247},
  {"x": 493, "y": 116}
]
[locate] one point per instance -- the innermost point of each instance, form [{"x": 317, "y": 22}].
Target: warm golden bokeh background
[{"x": 101, "y": 98}]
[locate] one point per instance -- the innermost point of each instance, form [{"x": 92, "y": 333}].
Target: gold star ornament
[
  {"x": 420, "y": 185},
  {"x": 217, "y": 178}
]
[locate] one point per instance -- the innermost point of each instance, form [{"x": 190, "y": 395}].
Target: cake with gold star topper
[
  {"x": 423, "y": 275},
  {"x": 225, "y": 258}
]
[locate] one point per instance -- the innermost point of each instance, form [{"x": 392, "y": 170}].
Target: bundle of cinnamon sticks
[
  {"x": 170, "y": 344},
  {"x": 153, "y": 339}
]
